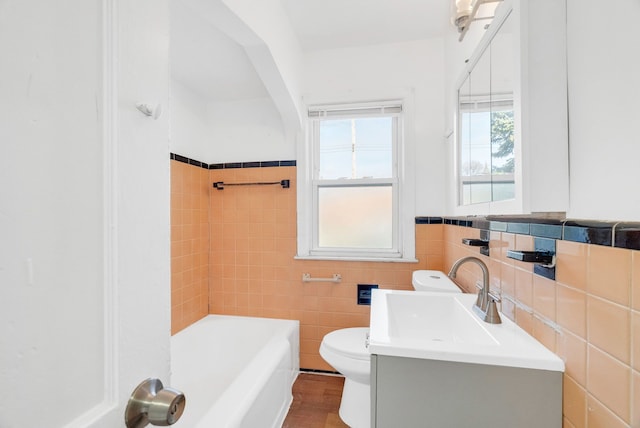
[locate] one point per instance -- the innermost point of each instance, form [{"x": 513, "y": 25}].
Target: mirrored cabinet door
[
  {"x": 502, "y": 114},
  {"x": 474, "y": 114},
  {"x": 511, "y": 118}
]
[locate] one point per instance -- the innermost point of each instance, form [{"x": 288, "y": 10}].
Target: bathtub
[{"x": 235, "y": 371}]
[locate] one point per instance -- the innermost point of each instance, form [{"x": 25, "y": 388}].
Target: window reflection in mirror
[{"x": 486, "y": 161}]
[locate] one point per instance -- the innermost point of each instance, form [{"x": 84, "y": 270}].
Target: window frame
[{"x": 403, "y": 232}]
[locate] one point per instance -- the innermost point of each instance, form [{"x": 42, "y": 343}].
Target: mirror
[{"x": 486, "y": 143}]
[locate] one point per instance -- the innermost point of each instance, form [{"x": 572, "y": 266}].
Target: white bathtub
[{"x": 235, "y": 371}]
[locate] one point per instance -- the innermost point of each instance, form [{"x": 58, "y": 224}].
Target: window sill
[{"x": 358, "y": 259}]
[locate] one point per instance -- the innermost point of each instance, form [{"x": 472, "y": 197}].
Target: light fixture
[
  {"x": 463, "y": 12},
  {"x": 466, "y": 11}
]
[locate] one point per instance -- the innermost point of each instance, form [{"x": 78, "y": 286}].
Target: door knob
[{"x": 153, "y": 404}]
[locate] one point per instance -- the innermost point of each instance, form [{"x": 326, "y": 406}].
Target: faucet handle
[
  {"x": 491, "y": 315},
  {"x": 494, "y": 297}
]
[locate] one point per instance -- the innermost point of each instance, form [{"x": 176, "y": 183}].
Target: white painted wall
[
  {"x": 392, "y": 71},
  {"x": 278, "y": 61},
  {"x": 190, "y": 127},
  {"x": 226, "y": 131},
  {"x": 51, "y": 244},
  {"x": 84, "y": 209},
  {"x": 247, "y": 130},
  {"x": 604, "y": 109}
]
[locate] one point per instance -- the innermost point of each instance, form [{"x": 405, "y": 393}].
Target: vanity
[{"x": 434, "y": 363}]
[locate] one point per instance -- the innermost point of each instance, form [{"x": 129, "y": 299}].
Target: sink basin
[
  {"x": 444, "y": 327},
  {"x": 420, "y": 318}
]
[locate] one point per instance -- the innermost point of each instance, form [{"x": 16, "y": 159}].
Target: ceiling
[
  {"x": 331, "y": 24},
  {"x": 210, "y": 63}
]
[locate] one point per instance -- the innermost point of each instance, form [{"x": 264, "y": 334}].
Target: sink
[
  {"x": 420, "y": 318},
  {"x": 444, "y": 327}
]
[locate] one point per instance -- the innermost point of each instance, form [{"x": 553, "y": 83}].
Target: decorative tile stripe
[
  {"x": 187, "y": 160},
  {"x": 262, "y": 164},
  {"x": 606, "y": 233},
  {"x": 429, "y": 220},
  {"x": 231, "y": 165}
]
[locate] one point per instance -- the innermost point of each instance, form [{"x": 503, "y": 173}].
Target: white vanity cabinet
[
  {"x": 413, "y": 393},
  {"x": 517, "y": 73}
]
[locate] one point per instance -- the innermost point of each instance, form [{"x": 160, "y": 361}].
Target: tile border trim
[
  {"x": 231, "y": 165},
  {"x": 606, "y": 233}
]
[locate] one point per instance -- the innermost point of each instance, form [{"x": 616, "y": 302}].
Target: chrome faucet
[{"x": 486, "y": 302}]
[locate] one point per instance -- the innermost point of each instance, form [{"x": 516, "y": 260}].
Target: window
[
  {"x": 353, "y": 190},
  {"x": 486, "y": 159}
]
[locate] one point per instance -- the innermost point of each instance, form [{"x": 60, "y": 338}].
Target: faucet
[{"x": 486, "y": 302}]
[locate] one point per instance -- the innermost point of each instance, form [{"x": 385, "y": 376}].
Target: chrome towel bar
[
  {"x": 306, "y": 277},
  {"x": 220, "y": 184}
]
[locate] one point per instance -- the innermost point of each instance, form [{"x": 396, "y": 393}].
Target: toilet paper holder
[{"x": 153, "y": 404}]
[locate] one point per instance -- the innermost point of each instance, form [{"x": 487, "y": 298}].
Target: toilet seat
[{"x": 348, "y": 342}]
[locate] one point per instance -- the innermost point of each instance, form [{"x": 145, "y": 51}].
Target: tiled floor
[{"x": 316, "y": 400}]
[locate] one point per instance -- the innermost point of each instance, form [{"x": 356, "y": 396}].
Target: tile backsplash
[
  {"x": 588, "y": 316},
  {"x": 233, "y": 253}
]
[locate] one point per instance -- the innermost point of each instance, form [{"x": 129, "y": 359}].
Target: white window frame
[{"x": 402, "y": 182}]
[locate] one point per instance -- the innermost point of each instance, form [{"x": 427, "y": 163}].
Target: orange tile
[
  {"x": 635, "y": 279},
  {"x": 599, "y": 416},
  {"x": 507, "y": 242},
  {"x": 508, "y": 280},
  {"x": 572, "y": 310},
  {"x": 525, "y": 320},
  {"x": 608, "y": 327},
  {"x": 574, "y": 402},
  {"x": 571, "y": 264},
  {"x": 573, "y": 351},
  {"x": 524, "y": 287},
  {"x": 610, "y": 382},
  {"x": 508, "y": 308},
  {"x": 635, "y": 405},
  {"x": 635, "y": 341},
  {"x": 544, "y": 297},
  {"x": 544, "y": 334},
  {"x": 609, "y": 274}
]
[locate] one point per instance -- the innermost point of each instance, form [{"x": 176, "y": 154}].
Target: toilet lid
[
  {"x": 349, "y": 342},
  {"x": 433, "y": 280}
]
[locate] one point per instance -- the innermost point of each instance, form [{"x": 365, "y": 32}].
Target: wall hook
[{"x": 150, "y": 110}]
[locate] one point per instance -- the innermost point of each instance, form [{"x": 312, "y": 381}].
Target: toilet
[{"x": 347, "y": 352}]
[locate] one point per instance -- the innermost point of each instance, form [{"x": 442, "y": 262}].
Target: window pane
[
  {"x": 355, "y": 217},
  {"x": 356, "y": 148},
  {"x": 475, "y": 156}
]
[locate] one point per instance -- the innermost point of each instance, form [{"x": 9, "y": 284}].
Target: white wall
[
  {"x": 278, "y": 58},
  {"x": 50, "y": 212},
  {"x": 604, "y": 109},
  {"x": 245, "y": 131},
  {"x": 226, "y": 131},
  {"x": 84, "y": 209},
  {"x": 190, "y": 127},
  {"x": 412, "y": 69}
]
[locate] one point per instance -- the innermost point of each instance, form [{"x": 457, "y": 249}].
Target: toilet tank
[{"x": 433, "y": 280}]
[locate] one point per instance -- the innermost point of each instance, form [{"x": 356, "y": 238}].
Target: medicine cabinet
[{"x": 511, "y": 128}]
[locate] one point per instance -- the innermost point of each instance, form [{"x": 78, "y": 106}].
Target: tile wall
[
  {"x": 589, "y": 316},
  {"x": 253, "y": 270},
  {"x": 189, "y": 244},
  {"x": 233, "y": 253}
]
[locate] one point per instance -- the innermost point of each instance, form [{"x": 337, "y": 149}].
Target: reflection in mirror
[
  {"x": 475, "y": 134},
  {"x": 486, "y": 161},
  {"x": 502, "y": 119}
]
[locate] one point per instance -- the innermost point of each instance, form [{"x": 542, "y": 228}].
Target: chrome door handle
[{"x": 153, "y": 404}]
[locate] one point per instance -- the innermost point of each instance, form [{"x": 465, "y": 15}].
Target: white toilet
[{"x": 347, "y": 351}]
